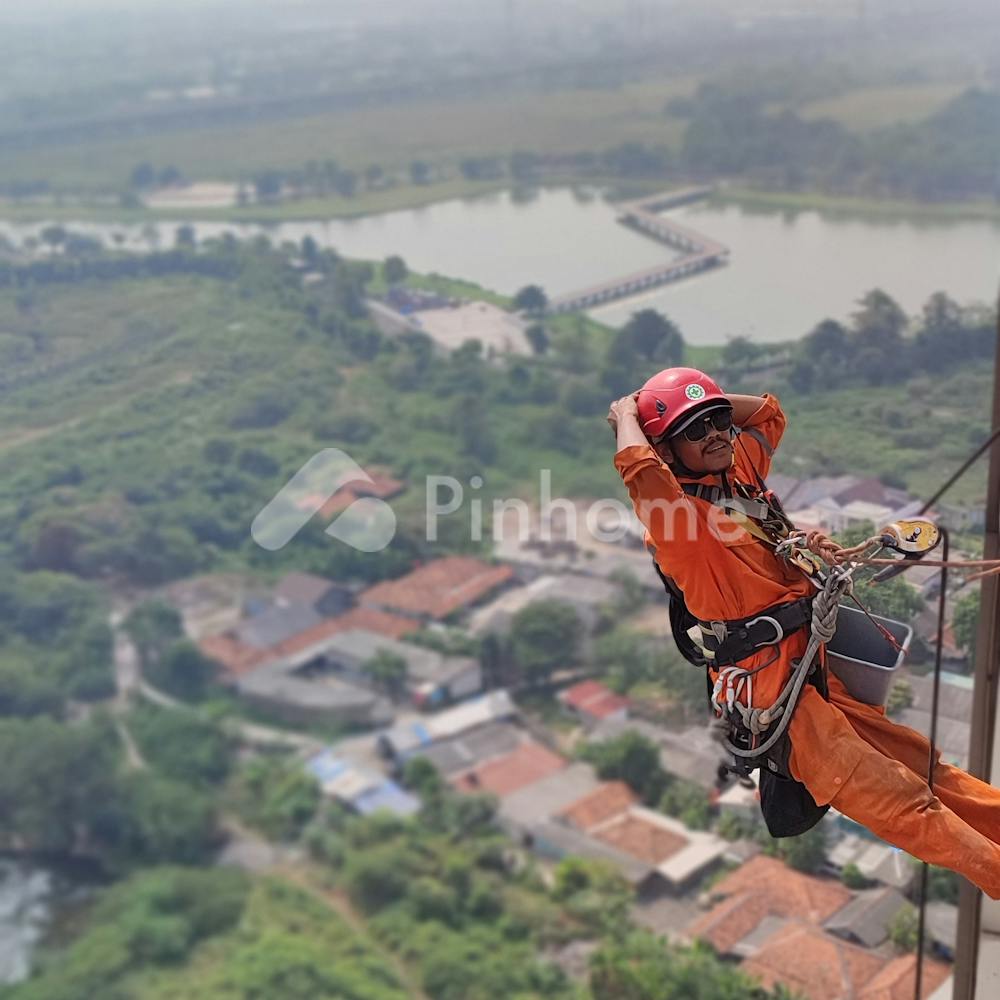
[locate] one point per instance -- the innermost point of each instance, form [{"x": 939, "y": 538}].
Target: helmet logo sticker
[
  {"x": 661, "y": 407},
  {"x": 694, "y": 391}
]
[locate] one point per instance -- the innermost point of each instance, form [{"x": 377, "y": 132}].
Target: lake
[{"x": 787, "y": 271}]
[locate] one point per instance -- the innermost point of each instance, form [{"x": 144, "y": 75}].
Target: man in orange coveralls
[{"x": 677, "y": 430}]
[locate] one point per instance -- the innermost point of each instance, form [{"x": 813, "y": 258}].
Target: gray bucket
[{"x": 862, "y": 657}]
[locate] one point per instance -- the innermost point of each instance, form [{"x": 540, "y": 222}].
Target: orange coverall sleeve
[{"x": 769, "y": 422}]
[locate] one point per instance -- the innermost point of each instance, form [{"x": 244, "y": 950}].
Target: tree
[
  {"x": 904, "y": 928},
  {"x": 394, "y": 270},
  {"x": 183, "y": 671},
  {"x": 185, "y": 236},
  {"x": 160, "y": 820},
  {"x": 740, "y": 351},
  {"x": 143, "y": 175},
  {"x": 182, "y": 744},
  {"x": 852, "y": 878},
  {"x": 537, "y": 338},
  {"x": 806, "y": 853},
  {"x": 276, "y": 795},
  {"x": 531, "y": 299},
  {"x": 387, "y": 671},
  {"x": 965, "y": 622},
  {"x": 543, "y": 636},
  {"x": 153, "y": 626},
  {"x": 900, "y": 697},
  {"x": 420, "y": 172},
  {"x": 688, "y": 802},
  {"x": 632, "y": 758},
  {"x": 652, "y": 336}
]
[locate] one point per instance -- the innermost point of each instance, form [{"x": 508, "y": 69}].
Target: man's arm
[
  {"x": 744, "y": 407},
  {"x": 624, "y": 420}
]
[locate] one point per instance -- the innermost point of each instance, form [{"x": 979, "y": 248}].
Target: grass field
[
  {"x": 439, "y": 132},
  {"x": 858, "y": 207},
  {"x": 875, "y": 107}
]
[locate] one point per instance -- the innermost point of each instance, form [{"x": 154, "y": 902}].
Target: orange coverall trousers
[{"x": 873, "y": 770}]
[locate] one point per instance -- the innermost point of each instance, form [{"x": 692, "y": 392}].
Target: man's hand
[{"x": 627, "y": 406}]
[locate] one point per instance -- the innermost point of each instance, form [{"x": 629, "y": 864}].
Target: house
[
  {"x": 438, "y": 589},
  {"x": 740, "y": 799},
  {"x": 378, "y": 484},
  {"x": 455, "y": 754},
  {"x": 674, "y": 855},
  {"x": 866, "y": 919},
  {"x": 525, "y": 765},
  {"x": 817, "y": 966},
  {"x": 414, "y": 738},
  {"x": 942, "y": 928},
  {"x": 692, "y": 753},
  {"x": 364, "y": 792},
  {"x": 278, "y": 690},
  {"x": 876, "y": 860},
  {"x": 587, "y": 595},
  {"x": 324, "y": 596},
  {"x": 237, "y": 650},
  {"x": 432, "y": 678},
  {"x": 765, "y": 887},
  {"x": 591, "y": 702},
  {"x": 539, "y": 802}
]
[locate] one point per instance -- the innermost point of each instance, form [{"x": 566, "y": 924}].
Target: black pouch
[{"x": 786, "y": 805}]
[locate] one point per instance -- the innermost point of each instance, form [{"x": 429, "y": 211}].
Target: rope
[{"x": 822, "y": 627}]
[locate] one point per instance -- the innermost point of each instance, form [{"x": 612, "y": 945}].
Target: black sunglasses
[{"x": 698, "y": 429}]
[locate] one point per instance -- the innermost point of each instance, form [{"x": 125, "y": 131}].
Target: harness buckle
[{"x": 778, "y": 630}]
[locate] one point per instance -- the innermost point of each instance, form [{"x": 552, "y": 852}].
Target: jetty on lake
[{"x": 698, "y": 251}]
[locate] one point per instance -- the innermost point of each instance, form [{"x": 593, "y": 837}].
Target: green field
[
  {"x": 441, "y": 132},
  {"x": 875, "y": 107}
]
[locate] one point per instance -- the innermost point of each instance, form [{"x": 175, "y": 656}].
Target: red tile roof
[
  {"x": 813, "y": 964},
  {"x": 898, "y": 979},
  {"x": 529, "y": 763},
  {"x": 593, "y": 698},
  {"x": 438, "y": 588},
  {"x": 763, "y": 887},
  {"x": 382, "y": 486},
  {"x": 236, "y": 658},
  {"x": 612, "y": 798},
  {"x": 369, "y": 619},
  {"x": 641, "y": 838}
]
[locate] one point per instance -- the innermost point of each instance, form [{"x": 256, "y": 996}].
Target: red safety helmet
[{"x": 672, "y": 394}]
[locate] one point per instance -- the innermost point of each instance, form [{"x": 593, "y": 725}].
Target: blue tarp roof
[{"x": 387, "y": 796}]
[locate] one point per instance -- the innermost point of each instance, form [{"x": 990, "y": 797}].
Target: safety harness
[{"x": 754, "y": 737}]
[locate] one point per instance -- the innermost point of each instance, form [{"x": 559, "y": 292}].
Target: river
[
  {"x": 787, "y": 271},
  {"x": 35, "y": 899}
]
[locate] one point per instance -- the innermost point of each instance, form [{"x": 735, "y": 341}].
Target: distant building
[
  {"x": 525, "y": 765},
  {"x": 587, "y": 595},
  {"x": 414, "y": 738},
  {"x": 592, "y": 702},
  {"x": 866, "y": 919},
  {"x": 876, "y": 860},
  {"x": 363, "y": 791},
  {"x": 656, "y": 853},
  {"x": 278, "y": 690},
  {"x": 438, "y": 589},
  {"x": 432, "y": 678}
]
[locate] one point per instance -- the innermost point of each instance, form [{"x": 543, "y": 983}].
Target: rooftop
[
  {"x": 379, "y": 484},
  {"x": 606, "y": 801},
  {"x": 766, "y": 887},
  {"x": 494, "y": 739},
  {"x": 634, "y": 834},
  {"x": 545, "y": 798},
  {"x": 439, "y": 588},
  {"x": 523, "y": 766},
  {"x": 301, "y": 588},
  {"x": 865, "y": 919},
  {"x": 594, "y": 699},
  {"x": 370, "y": 619},
  {"x": 813, "y": 964}
]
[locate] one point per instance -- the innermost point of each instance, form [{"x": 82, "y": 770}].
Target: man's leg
[
  {"x": 977, "y": 802},
  {"x": 839, "y": 767}
]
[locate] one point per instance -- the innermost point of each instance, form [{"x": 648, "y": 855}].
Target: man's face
[{"x": 711, "y": 455}]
